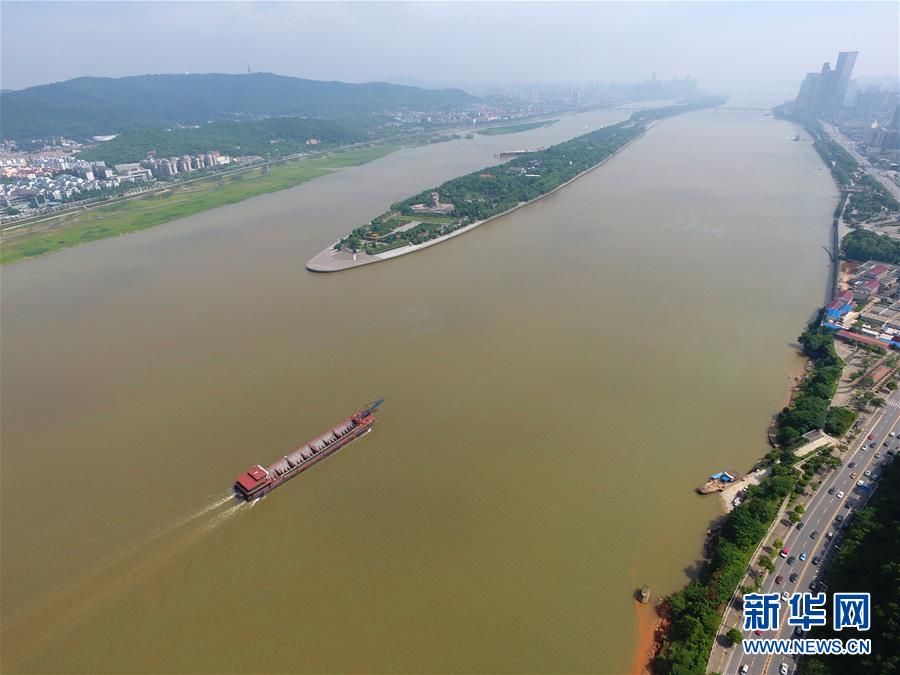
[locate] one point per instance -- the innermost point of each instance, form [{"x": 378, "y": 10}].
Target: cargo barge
[{"x": 260, "y": 481}]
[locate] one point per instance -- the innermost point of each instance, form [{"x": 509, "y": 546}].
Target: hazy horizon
[{"x": 723, "y": 45}]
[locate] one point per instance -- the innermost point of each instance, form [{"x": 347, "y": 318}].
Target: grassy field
[
  {"x": 515, "y": 128},
  {"x": 138, "y": 214},
  {"x": 423, "y": 218}
]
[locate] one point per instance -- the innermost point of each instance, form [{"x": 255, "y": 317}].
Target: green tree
[{"x": 733, "y": 636}]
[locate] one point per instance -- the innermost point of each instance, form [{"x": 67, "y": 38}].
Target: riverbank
[
  {"x": 332, "y": 260},
  {"x": 689, "y": 641},
  {"x": 649, "y": 624},
  {"x": 161, "y": 207},
  {"x": 459, "y": 337}
]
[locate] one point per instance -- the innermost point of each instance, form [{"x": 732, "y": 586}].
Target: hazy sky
[{"x": 725, "y": 45}]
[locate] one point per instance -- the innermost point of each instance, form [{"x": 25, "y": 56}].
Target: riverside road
[{"x": 868, "y": 453}]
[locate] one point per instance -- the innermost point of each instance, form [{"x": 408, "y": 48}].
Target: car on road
[
  {"x": 848, "y": 504},
  {"x": 814, "y": 534},
  {"x": 783, "y": 670},
  {"x": 867, "y": 474},
  {"x": 853, "y": 476},
  {"x": 785, "y": 595},
  {"x": 817, "y": 560},
  {"x": 860, "y": 483},
  {"x": 851, "y": 465},
  {"x": 793, "y": 577},
  {"x": 870, "y": 437},
  {"x": 877, "y": 455},
  {"x": 785, "y": 551},
  {"x": 798, "y": 632},
  {"x": 829, "y": 535},
  {"x": 790, "y": 561},
  {"x": 839, "y": 518},
  {"x": 745, "y": 669},
  {"x": 814, "y": 585},
  {"x": 831, "y": 490},
  {"x": 800, "y": 525},
  {"x": 840, "y": 494},
  {"x": 892, "y": 434},
  {"x": 802, "y": 557}
]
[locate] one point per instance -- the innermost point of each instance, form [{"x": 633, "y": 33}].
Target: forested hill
[
  {"x": 272, "y": 137},
  {"x": 90, "y": 106}
]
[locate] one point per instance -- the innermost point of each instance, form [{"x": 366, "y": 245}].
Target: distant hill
[
  {"x": 274, "y": 137},
  {"x": 91, "y": 106}
]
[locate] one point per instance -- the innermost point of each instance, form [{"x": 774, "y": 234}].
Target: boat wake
[{"x": 57, "y": 612}]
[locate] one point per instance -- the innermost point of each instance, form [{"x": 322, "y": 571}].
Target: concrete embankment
[{"x": 331, "y": 260}]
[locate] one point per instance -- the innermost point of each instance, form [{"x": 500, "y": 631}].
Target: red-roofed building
[
  {"x": 877, "y": 271},
  {"x": 847, "y": 336}
]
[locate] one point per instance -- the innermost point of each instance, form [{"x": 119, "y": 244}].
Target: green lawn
[
  {"x": 515, "y": 128},
  {"x": 423, "y": 218},
  {"x": 138, "y": 214}
]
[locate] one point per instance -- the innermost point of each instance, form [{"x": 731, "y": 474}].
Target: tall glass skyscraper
[
  {"x": 840, "y": 78},
  {"x": 822, "y": 94}
]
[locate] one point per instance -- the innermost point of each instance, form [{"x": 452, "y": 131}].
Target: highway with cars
[
  {"x": 880, "y": 174},
  {"x": 810, "y": 545}
]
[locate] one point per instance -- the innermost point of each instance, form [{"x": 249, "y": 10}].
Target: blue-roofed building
[{"x": 837, "y": 309}]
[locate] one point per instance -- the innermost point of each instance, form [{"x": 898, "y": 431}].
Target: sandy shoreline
[{"x": 648, "y": 624}]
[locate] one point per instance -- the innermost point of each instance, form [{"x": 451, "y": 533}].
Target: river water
[{"x": 557, "y": 381}]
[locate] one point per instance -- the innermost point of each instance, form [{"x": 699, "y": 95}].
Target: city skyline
[{"x": 723, "y": 45}]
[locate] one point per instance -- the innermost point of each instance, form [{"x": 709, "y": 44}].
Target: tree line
[
  {"x": 495, "y": 189},
  {"x": 810, "y": 409},
  {"x": 695, "y": 612},
  {"x": 868, "y": 561},
  {"x": 865, "y": 245}
]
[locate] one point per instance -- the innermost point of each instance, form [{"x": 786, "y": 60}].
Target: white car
[
  {"x": 785, "y": 596},
  {"x": 893, "y": 434},
  {"x": 840, "y": 495},
  {"x": 745, "y": 669},
  {"x": 784, "y": 669},
  {"x": 867, "y": 474}
]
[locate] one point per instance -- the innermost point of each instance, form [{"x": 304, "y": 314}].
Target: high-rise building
[
  {"x": 822, "y": 94},
  {"x": 807, "y": 92},
  {"x": 840, "y": 80}
]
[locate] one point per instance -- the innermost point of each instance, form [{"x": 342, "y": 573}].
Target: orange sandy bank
[{"x": 648, "y": 623}]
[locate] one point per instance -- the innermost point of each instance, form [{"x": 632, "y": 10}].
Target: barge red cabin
[{"x": 260, "y": 481}]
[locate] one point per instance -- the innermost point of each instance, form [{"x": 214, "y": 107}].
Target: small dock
[{"x": 717, "y": 482}]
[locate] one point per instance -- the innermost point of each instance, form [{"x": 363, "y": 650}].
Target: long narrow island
[{"x": 462, "y": 204}]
